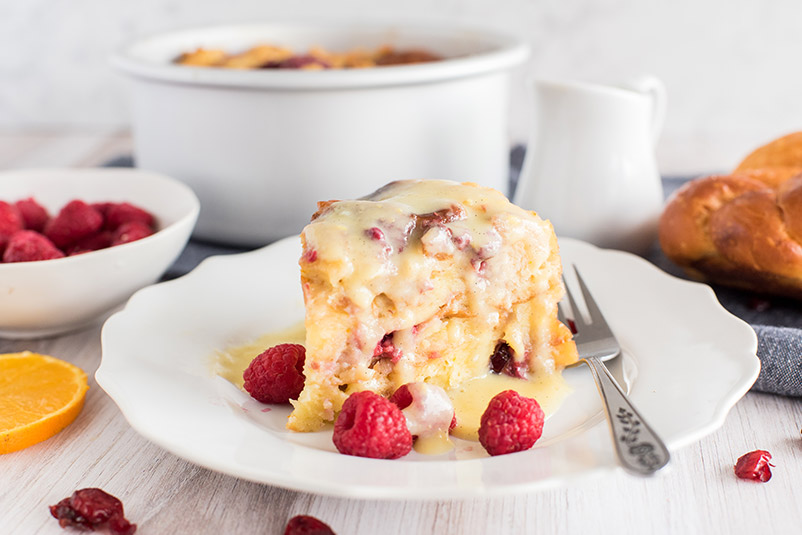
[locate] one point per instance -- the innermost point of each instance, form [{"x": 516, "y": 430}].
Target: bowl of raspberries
[{"x": 76, "y": 243}]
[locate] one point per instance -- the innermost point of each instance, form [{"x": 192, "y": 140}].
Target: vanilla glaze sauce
[
  {"x": 231, "y": 362},
  {"x": 470, "y": 399}
]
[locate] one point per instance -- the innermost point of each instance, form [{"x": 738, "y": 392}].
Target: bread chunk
[{"x": 423, "y": 280}]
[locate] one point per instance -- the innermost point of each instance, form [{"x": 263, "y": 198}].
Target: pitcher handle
[{"x": 656, "y": 90}]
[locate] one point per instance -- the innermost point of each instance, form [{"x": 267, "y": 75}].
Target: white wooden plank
[{"x": 164, "y": 494}]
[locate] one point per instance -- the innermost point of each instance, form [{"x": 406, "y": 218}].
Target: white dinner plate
[{"x": 686, "y": 362}]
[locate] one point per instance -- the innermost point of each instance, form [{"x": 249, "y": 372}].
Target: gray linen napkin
[{"x": 777, "y": 322}]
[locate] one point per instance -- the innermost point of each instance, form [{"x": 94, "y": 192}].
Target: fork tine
[
  {"x": 579, "y": 321},
  {"x": 561, "y": 315},
  {"x": 593, "y": 309}
]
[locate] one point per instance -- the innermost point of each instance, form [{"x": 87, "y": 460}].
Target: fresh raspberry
[
  {"x": 75, "y": 221},
  {"x": 277, "y": 374},
  {"x": 754, "y": 465},
  {"x": 34, "y": 215},
  {"x": 403, "y": 398},
  {"x": 128, "y": 232},
  {"x": 88, "y": 509},
  {"x": 30, "y": 246},
  {"x": 307, "y": 525},
  {"x": 10, "y": 223},
  {"x": 371, "y": 426},
  {"x": 510, "y": 423},
  {"x": 93, "y": 242},
  {"x": 118, "y": 213},
  {"x": 102, "y": 207}
]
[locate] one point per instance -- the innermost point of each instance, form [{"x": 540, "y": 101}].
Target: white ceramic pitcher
[{"x": 590, "y": 166}]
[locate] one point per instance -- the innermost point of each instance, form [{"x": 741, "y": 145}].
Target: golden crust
[
  {"x": 772, "y": 177},
  {"x": 782, "y": 152},
  {"x": 744, "y": 229},
  {"x": 202, "y": 57},
  {"x": 683, "y": 230}
]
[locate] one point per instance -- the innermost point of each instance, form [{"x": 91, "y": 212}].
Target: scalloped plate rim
[{"x": 112, "y": 381}]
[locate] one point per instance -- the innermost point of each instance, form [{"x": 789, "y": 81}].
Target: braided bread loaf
[{"x": 743, "y": 229}]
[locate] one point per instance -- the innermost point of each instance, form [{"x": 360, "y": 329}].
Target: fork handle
[{"x": 639, "y": 449}]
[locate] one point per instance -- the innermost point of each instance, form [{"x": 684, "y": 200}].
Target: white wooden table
[{"x": 164, "y": 494}]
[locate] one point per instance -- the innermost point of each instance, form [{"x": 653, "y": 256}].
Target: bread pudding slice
[{"x": 425, "y": 280}]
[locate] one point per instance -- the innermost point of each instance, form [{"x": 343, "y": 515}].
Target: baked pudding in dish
[
  {"x": 266, "y": 56},
  {"x": 425, "y": 281}
]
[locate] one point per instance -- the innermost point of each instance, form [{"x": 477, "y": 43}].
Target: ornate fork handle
[{"x": 639, "y": 448}]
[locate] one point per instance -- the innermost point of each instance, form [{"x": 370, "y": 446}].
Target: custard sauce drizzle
[{"x": 470, "y": 399}]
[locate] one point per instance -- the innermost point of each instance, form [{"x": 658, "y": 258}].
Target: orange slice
[{"x": 39, "y": 396}]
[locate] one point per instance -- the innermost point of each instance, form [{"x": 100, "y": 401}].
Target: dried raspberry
[
  {"x": 34, "y": 215},
  {"x": 374, "y": 233},
  {"x": 479, "y": 265},
  {"x": 307, "y": 525},
  {"x": 510, "y": 423},
  {"x": 75, "y": 221},
  {"x": 385, "y": 349},
  {"x": 90, "y": 509},
  {"x": 277, "y": 374},
  {"x": 119, "y": 525},
  {"x": 116, "y": 214},
  {"x": 571, "y": 325},
  {"x": 455, "y": 212},
  {"x": 305, "y": 61},
  {"x": 310, "y": 255},
  {"x": 10, "y": 223},
  {"x": 131, "y": 231},
  {"x": 754, "y": 465},
  {"x": 30, "y": 246},
  {"x": 93, "y": 242},
  {"x": 503, "y": 361},
  {"x": 371, "y": 426}
]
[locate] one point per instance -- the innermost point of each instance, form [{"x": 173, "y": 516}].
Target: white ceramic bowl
[
  {"x": 261, "y": 147},
  {"x": 55, "y": 296}
]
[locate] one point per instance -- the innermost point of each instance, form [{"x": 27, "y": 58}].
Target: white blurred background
[{"x": 731, "y": 67}]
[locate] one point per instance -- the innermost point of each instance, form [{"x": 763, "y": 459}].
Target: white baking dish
[{"x": 261, "y": 147}]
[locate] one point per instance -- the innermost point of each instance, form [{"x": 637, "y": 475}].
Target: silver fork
[{"x": 639, "y": 449}]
